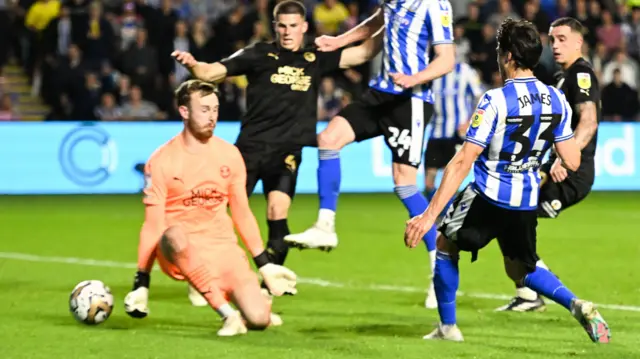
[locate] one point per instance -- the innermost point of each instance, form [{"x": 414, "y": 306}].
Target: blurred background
[{"x": 108, "y": 61}]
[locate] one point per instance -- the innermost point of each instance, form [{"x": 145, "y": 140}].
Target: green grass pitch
[{"x": 363, "y": 300}]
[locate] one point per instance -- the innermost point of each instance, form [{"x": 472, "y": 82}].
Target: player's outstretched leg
[
  {"x": 416, "y": 203},
  {"x": 404, "y": 177},
  {"x": 526, "y": 300},
  {"x": 322, "y": 234},
  {"x": 446, "y": 281},
  {"x": 546, "y": 283},
  {"x": 177, "y": 249}
]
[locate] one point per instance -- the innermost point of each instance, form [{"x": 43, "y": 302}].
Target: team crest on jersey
[
  {"x": 310, "y": 56},
  {"x": 584, "y": 80},
  {"x": 445, "y": 19},
  {"x": 477, "y": 118},
  {"x": 225, "y": 171}
]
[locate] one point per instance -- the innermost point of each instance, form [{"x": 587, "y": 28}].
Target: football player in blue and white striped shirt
[
  {"x": 398, "y": 105},
  {"x": 454, "y": 95},
  {"x": 511, "y": 130}
]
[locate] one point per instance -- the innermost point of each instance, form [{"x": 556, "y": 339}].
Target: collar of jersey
[{"x": 522, "y": 79}]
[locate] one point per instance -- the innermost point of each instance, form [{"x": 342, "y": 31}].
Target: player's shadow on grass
[
  {"x": 374, "y": 330},
  {"x": 113, "y": 323}
]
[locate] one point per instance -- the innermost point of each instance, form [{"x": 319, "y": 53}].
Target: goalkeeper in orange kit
[{"x": 190, "y": 181}]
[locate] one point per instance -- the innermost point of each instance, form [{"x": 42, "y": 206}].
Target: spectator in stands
[
  {"x": 6, "y": 108},
  {"x": 329, "y": 16},
  {"x": 108, "y": 109},
  {"x": 129, "y": 24},
  {"x": 631, "y": 31},
  {"x": 98, "y": 37},
  {"x": 590, "y": 23},
  {"x": 472, "y": 24},
  {"x": 619, "y": 100},
  {"x": 85, "y": 101},
  {"x": 36, "y": 21},
  {"x": 627, "y": 67},
  {"x": 59, "y": 34},
  {"x": 140, "y": 62},
  {"x": 123, "y": 91},
  {"x": 353, "y": 19},
  {"x": 484, "y": 53},
  {"x": 563, "y": 9},
  {"x": 70, "y": 74},
  {"x": 609, "y": 33},
  {"x": 463, "y": 45},
  {"x": 138, "y": 109},
  {"x": 533, "y": 14},
  {"x": 181, "y": 41},
  {"x": 504, "y": 11}
]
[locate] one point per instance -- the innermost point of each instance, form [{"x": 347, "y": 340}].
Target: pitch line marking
[{"x": 310, "y": 281}]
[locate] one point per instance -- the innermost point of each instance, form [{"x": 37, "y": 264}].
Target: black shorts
[
  {"x": 557, "y": 197},
  {"x": 276, "y": 165},
  {"x": 440, "y": 151},
  {"x": 472, "y": 222},
  {"x": 401, "y": 119}
]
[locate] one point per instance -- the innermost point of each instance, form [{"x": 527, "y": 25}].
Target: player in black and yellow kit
[
  {"x": 561, "y": 189},
  {"x": 284, "y": 77}
]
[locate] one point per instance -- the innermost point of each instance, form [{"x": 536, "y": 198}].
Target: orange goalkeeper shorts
[{"x": 227, "y": 264}]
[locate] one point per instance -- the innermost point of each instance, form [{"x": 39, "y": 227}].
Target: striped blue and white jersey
[
  {"x": 454, "y": 95},
  {"x": 516, "y": 125},
  {"x": 412, "y": 27}
]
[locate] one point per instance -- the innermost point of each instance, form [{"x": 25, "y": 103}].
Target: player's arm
[
  {"x": 362, "y": 31},
  {"x": 155, "y": 196},
  {"x": 362, "y": 53},
  {"x": 441, "y": 38},
  {"x": 239, "y": 63},
  {"x": 477, "y": 139},
  {"x": 586, "y": 95},
  {"x": 565, "y": 142},
  {"x": 279, "y": 279},
  {"x": 441, "y": 31}
]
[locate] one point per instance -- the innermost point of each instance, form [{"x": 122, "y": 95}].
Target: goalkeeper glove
[
  {"x": 137, "y": 301},
  {"x": 279, "y": 279}
]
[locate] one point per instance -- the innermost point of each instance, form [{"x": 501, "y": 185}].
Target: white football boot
[
  {"x": 321, "y": 236},
  {"x": 275, "y": 321},
  {"x": 136, "y": 303},
  {"x": 431, "y": 302},
  {"x": 233, "y": 325},
  {"x": 445, "y": 332},
  {"x": 591, "y": 320},
  {"x": 197, "y": 300}
]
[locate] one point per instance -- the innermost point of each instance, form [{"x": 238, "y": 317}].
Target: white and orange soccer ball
[{"x": 91, "y": 302}]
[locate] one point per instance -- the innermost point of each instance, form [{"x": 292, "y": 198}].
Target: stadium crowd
[{"x": 109, "y": 60}]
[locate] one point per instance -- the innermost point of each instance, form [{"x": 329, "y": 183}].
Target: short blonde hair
[{"x": 186, "y": 89}]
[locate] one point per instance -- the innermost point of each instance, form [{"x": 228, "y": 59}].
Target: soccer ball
[{"x": 91, "y": 302}]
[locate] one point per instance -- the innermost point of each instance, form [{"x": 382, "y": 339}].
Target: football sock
[
  {"x": 547, "y": 284},
  {"x": 328, "y": 179},
  {"x": 526, "y": 293},
  {"x": 416, "y": 203},
  {"x": 142, "y": 279},
  {"x": 428, "y": 193},
  {"x": 446, "y": 279},
  {"x": 277, "y": 248}
]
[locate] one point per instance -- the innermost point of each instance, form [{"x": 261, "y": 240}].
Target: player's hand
[
  {"x": 417, "y": 227},
  {"x": 557, "y": 172},
  {"x": 184, "y": 58},
  {"x": 327, "y": 43},
  {"x": 405, "y": 81},
  {"x": 279, "y": 279}
]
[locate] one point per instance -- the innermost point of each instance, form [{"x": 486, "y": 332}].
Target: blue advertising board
[{"x": 83, "y": 158}]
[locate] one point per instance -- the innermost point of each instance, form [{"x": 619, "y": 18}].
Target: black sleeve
[
  {"x": 583, "y": 86},
  {"x": 329, "y": 61},
  {"x": 243, "y": 61}
]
